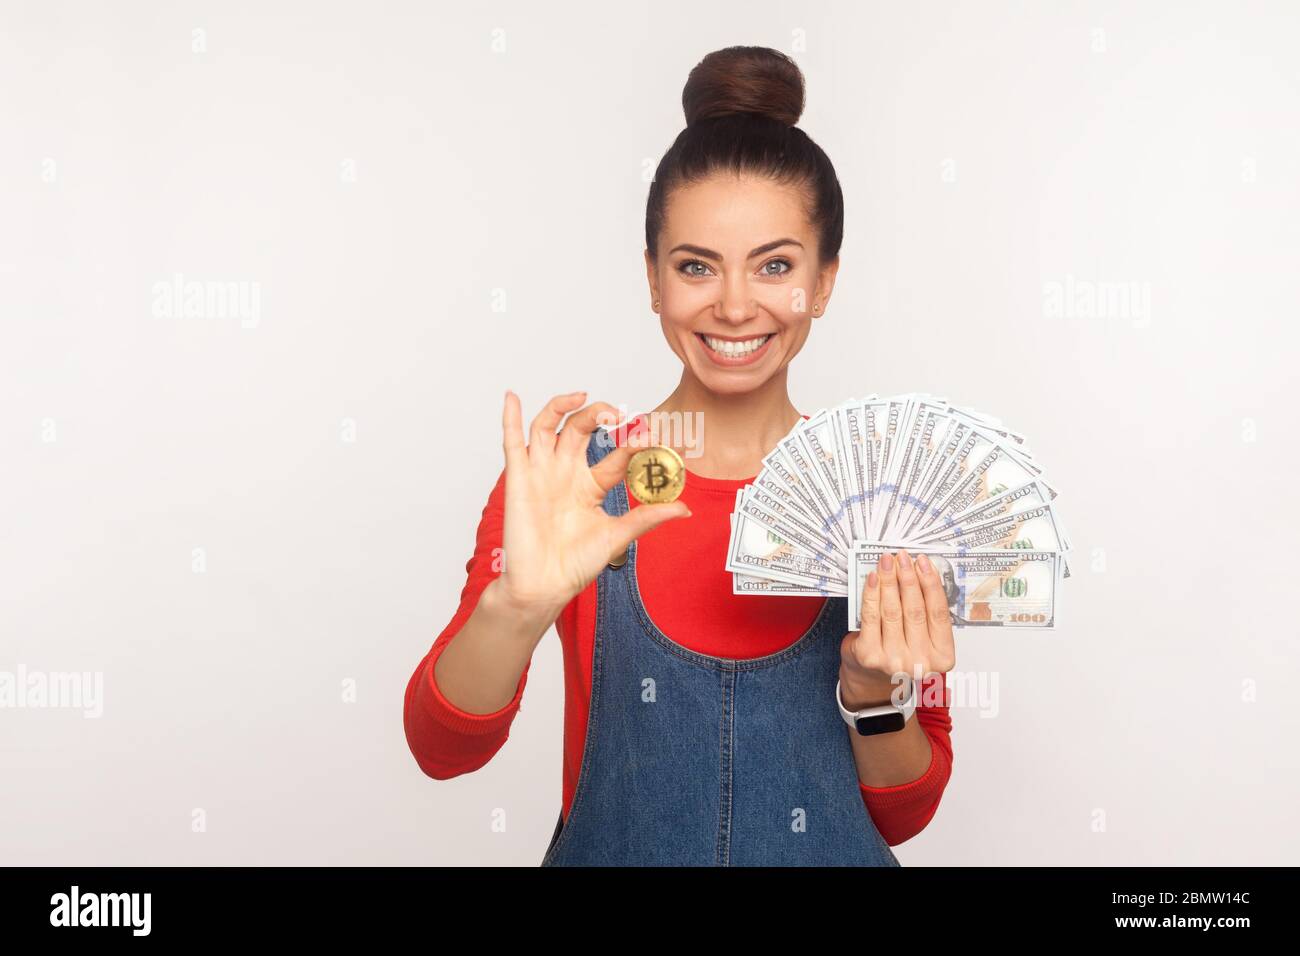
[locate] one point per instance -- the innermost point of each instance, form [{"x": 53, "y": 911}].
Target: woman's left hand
[{"x": 906, "y": 628}]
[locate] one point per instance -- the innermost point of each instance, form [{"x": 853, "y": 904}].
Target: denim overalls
[{"x": 693, "y": 760}]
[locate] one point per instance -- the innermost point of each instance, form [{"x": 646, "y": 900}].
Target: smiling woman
[
  {"x": 731, "y": 304},
  {"x": 702, "y": 727}
]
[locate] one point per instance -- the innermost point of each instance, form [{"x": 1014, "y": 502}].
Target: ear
[
  {"x": 825, "y": 283},
  {"x": 651, "y": 278}
]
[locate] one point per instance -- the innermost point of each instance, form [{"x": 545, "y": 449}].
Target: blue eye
[{"x": 687, "y": 268}]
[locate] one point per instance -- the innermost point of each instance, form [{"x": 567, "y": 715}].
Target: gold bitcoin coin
[{"x": 656, "y": 475}]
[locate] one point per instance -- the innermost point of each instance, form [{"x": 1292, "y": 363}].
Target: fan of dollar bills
[{"x": 912, "y": 471}]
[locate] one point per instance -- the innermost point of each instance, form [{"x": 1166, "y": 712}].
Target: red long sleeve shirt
[{"x": 687, "y": 593}]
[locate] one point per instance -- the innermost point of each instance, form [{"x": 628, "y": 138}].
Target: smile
[{"x": 734, "y": 351}]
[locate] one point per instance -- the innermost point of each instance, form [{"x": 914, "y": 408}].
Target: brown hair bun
[{"x": 744, "y": 79}]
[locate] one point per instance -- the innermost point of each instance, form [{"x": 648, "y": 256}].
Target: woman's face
[{"x": 737, "y": 278}]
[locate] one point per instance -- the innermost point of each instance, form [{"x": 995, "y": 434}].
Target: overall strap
[{"x": 599, "y": 445}]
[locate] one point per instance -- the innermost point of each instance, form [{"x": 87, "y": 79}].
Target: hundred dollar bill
[
  {"x": 914, "y": 547},
  {"x": 768, "y": 481},
  {"x": 990, "y": 472},
  {"x": 818, "y": 435},
  {"x": 882, "y": 428},
  {"x": 897, "y": 445},
  {"x": 794, "y": 474},
  {"x": 991, "y": 424},
  {"x": 747, "y": 584},
  {"x": 799, "y": 452},
  {"x": 1034, "y": 528},
  {"x": 758, "y": 551},
  {"x": 924, "y": 425},
  {"x": 1022, "y": 496},
  {"x": 761, "y": 509},
  {"x": 928, "y": 486},
  {"x": 965, "y": 446},
  {"x": 851, "y": 441},
  {"x": 894, "y": 434},
  {"x": 873, "y": 419},
  {"x": 1005, "y": 587}
]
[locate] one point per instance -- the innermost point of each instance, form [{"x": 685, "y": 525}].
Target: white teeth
[{"x": 735, "y": 349}]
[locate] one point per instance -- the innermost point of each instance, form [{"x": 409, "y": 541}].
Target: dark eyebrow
[{"x": 717, "y": 256}]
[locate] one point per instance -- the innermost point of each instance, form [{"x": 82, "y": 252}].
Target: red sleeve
[
  {"x": 901, "y": 812},
  {"x": 445, "y": 740}
]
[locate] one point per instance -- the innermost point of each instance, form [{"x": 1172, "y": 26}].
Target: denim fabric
[{"x": 692, "y": 760}]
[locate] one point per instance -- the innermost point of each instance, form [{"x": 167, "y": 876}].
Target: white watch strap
[{"x": 907, "y": 708}]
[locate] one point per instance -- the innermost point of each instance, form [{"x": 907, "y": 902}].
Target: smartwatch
[{"x": 885, "y": 719}]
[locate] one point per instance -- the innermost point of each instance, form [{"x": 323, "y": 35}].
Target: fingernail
[
  {"x": 872, "y": 579},
  {"x": 886, "y": 562},
  {"x": 924, "y": 563}
]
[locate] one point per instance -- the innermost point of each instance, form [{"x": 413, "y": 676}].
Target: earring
[
  {"x": 817, "y": 308},
  {"x": 656, "y": 305}
]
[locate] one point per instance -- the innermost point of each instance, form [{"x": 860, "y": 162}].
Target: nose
[{"x": 736, "y": 306}]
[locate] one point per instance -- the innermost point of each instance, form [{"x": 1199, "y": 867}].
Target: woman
[{"x": 701, "y": 726}]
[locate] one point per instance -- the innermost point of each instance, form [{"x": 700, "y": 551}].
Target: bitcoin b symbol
[{"x": 656, "y": 475}]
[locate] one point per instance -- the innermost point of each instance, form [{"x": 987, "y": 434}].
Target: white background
[{"x": 388, "y": 179}]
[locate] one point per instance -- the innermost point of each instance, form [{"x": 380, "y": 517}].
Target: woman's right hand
[{"x": 557, "y": 537}]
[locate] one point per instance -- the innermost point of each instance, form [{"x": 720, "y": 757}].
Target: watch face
[{"x": 880, "y": 724}]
